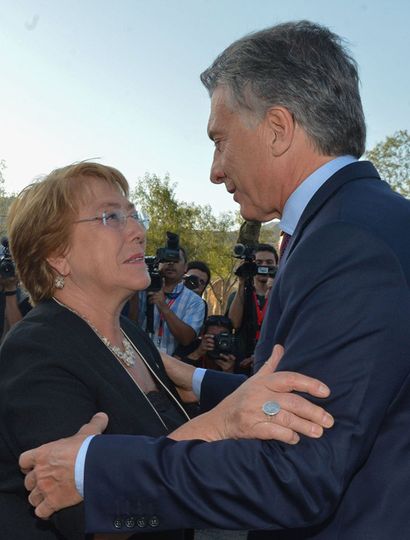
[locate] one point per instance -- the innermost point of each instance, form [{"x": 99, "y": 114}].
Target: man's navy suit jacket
[{"x": 341, "y": 308}]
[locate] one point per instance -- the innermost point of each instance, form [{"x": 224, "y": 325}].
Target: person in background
[
  {"x": 197, "y": 278},
  {"x": 247, "y": 308},
  {"x": 202, "y": 276},
  {"x": 209, "y": 351},
  {"x": 14, "y": 304},
  {"x": 213, "y": 349},
  {"x": 178, "y": 312}
]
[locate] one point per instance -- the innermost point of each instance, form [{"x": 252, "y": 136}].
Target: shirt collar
[
  {"x": 300, "y": 198},
  {"x": 179, "y": 287}
]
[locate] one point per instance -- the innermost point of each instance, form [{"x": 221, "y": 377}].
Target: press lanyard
[
  {"x": 260, "y": 313},
  {"x": 161, "y": 318}
]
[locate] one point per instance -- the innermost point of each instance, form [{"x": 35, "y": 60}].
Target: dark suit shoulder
[
  {"x": 344, "y": 249},
  {"x": 357, "y": 195}
]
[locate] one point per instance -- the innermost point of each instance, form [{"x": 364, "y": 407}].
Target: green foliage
[
  {"x": 2, "y": 180},
  {"x": 5, "y": 200},
  {"x": 392, "y": 159}
]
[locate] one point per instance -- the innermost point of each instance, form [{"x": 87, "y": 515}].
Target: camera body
[
  {"x": 224, "y": 343},
  {"x": 246, "y": 253},
  {"x": 269, "y": 271},
  {"x": 241, "y": 251},
  {"x": 168, "y": 253},
  {"x": 249, "y": 268},
  {"x": 7, "y": 267}
]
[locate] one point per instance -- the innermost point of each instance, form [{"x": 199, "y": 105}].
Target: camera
[
  {"x": 249, "y": 268},
  {"x": 191, "y": 282},
  {"x": 7, "y": 267},
  {"x": 168, "y": 253},
  {"x": 269, "y": 271},
  {"x": 247, "y": 253},
  {"x": 224, "y": 343}
]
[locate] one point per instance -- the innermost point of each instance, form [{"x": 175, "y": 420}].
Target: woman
[
  {"x": 79, "y": 248},
  {"x": 78, "y": 245}
]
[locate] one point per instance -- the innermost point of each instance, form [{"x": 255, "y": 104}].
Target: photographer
[
  {"x": 178, "y": 312},
  {"x": 215, "y": 349},
  {"x": 247, "y": 306},
  {"x": 14, "y": 303},
  {"x": 197, "y": 276}
]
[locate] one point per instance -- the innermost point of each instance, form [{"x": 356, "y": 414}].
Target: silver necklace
[{"x": 128, "y": 357}]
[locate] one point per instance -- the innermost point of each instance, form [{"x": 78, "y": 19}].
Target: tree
[
  {"x": 2, "y": 180},
  {"x": 392, "y": 159},
  {"x": 204, "y": 236},
  {"x": 5, "y": 200}
]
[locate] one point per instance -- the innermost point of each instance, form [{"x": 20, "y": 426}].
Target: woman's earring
[{"x": 59, "y": 282}]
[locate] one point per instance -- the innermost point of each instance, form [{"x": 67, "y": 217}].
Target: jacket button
[
  {"x": 129, "y": 522},
  {"x": 153, "y": 521},
  {"x": 141, "y": 522},
  {"x": 117, "y": 523}
]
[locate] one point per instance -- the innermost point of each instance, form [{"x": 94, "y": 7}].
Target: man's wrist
[
  {"x": 10, "y": 293},
  {"x": 79, "y": 467},
  {"x": 197, "y": 378}
]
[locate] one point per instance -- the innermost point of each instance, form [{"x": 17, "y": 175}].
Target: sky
[{"x": 118, "y": 80}]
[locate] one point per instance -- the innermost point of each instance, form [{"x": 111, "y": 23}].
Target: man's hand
[
  {"x": 158, "y": 298},
  {"x": 240, "y": 415},
  {"x": 247, "y": 362},
  {"x": 207, "y": 344},
  {"x": 8, "y": 284},
  {"x": 49, "y": 470},
  {"x": 226, "y": 362}
]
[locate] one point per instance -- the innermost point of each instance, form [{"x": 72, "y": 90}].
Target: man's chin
[{"x": 252, "y": 213}]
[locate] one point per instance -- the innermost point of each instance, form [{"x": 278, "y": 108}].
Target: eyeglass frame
[{"x": 123, "y": 216}]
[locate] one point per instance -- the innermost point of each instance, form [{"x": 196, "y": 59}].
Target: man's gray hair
[{"x": 305, "y": 68}]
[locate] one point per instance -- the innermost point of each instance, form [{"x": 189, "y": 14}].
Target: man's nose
[{"x": 217, "y": 175}]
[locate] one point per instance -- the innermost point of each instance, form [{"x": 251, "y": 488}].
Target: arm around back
[{"x": 342, "y": 321}]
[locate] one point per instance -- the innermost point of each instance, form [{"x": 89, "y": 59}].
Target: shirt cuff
[
  {"x": 80, "y": 465},
  {"x": 197, "y": 378}
]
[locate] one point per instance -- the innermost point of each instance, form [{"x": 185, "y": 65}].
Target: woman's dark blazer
[{"x": 55, "y": 373}]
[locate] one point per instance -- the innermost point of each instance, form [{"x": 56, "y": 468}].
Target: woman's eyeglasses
[{"x": 117, "y": 219}]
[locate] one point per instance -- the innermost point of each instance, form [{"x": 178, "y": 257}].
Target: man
[
  {"x": 208, "y": 352},
  {"x": 14, "y": 304},
  {"x": 179, "y": 313},
  {"x": 288, "y": 127},
  {"x": 201, "y": 279},
  {"x": 247, "y": 306}
]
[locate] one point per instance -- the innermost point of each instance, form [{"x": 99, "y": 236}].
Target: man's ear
[
  {"x": 60, "y": 264},
  {"x": 282, "y": 126}
]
